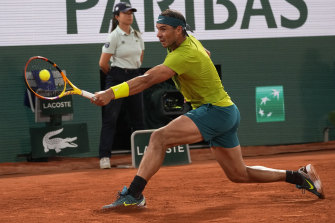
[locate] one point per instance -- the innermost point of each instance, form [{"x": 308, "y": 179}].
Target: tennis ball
[{"x": 44, "y": 75}]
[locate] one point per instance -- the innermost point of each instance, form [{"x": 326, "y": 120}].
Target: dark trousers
[{"x": 111, "y": 112}]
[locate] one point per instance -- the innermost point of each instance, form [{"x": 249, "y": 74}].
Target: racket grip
[{"x": 87, "y": 94}]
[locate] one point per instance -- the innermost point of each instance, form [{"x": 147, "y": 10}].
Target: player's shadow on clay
[{"x": 204, "y": 215}]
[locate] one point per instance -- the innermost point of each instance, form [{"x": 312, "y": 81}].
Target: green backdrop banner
[
  {"x": 270, "y": 104},
  {"x": 59, "y": 140},
  {"x": 304, "y": 66}
]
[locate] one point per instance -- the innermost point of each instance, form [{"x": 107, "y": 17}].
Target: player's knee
[{"x": 157, "y": 137}]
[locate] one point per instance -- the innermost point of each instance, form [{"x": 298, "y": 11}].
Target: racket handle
[{"x": 87, "y": 94}]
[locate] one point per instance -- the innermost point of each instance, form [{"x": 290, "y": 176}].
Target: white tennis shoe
[{"x": 105, "y": 163}]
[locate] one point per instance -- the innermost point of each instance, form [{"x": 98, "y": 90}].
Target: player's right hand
[{"x": 102, "y": 98}]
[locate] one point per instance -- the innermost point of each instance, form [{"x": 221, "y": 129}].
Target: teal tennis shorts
[{"x": 217, "y": 125}]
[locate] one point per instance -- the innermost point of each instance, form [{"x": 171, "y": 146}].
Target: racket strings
[{"x": 49, "y": 83}]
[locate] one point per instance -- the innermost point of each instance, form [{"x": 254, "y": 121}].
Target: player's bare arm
[
  {"x": 138, "y": 84},
  {"x": 153, "y": 76}
]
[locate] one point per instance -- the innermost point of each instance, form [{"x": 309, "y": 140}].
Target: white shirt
[{"x": 126, "y": 49}]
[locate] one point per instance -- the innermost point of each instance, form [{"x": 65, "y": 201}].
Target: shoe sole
[
  {"x": 316, "y": 180},
  {"x": 105, "y": 167},
  {"x": 122, "y": 207}
]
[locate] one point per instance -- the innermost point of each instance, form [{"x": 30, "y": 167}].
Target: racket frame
[{"x": 75, "y": 90}]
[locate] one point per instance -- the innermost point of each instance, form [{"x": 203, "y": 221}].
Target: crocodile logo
[{"x": 57, "y": 144}]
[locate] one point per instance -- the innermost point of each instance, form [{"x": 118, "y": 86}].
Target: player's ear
[{"x": 180, "y": 29}]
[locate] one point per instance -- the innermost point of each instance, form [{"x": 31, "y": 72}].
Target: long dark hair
[{"x": 114, "y": 23}]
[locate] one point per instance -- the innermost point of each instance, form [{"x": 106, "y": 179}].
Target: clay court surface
[{"x": 74, "y": 190}]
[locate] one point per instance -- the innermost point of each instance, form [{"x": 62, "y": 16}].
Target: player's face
[
  {"x": 167, "y": 35},
  {"x": 125, "y": 18}
]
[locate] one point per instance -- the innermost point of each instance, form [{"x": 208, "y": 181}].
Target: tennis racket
[{"x": 47, "y": 81}]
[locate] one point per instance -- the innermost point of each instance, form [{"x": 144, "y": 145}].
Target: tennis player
[{"x": 214, "y": 118}]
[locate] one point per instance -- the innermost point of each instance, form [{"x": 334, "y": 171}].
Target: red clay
[{"x": 74, "y": 190}]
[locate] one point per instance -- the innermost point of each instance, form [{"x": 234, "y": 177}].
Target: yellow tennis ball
[{"x": 44, "y": 75}]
